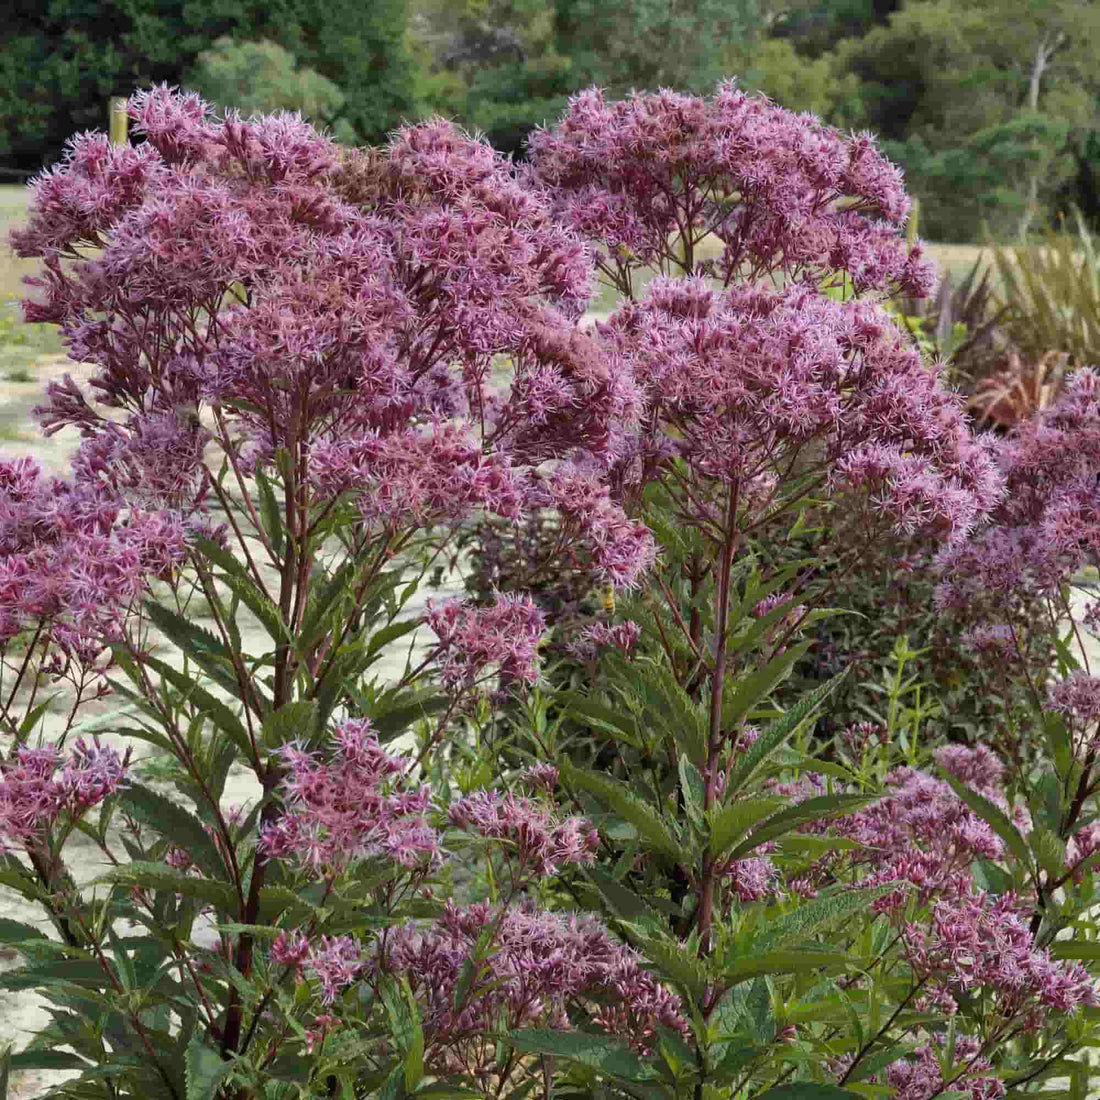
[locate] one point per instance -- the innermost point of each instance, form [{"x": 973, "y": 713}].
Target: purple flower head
[
  {"x": 475, "y": 640},
  {"x": 1077, "y": 699},
  {"x": 336, "y": 962},
  {"x": 540, "y": 842},
  {"x": 975, "y": 940},
  {"x": 734, "y": 379},
  {"x": 810, "y": 201},
  {"x": 536, "y": 967},
  {"x": 1047, "y": 524},
  {"x": 33, "y": 794},
  {"x": 349, "y": 808}
]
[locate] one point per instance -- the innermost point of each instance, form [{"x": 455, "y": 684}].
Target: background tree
[
  {"x": 259, "y": 77},
  {"x": 60, "y": 60}
]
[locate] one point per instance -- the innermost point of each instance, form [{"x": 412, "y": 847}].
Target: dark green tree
[{"x": 60, "y": 60}]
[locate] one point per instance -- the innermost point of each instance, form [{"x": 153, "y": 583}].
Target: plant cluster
[{"x": 645, "y": 879}]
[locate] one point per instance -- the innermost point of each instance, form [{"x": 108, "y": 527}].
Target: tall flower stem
[{"x": 714, "y": 743}]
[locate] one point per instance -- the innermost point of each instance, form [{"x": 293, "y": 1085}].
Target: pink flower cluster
[
  {"x": 735, "y": 379},
  {"x": 981, "y": 946},
  {"x": 1047, "y": 524},
  {"x": 476, "y": 640},
  {"x": 347, "y": 307},
  {"x": 334, "y": 962},
  {"x": 921, "y": 1077},
  {"x": 349, "y": 808},
  {"x": 539, "y": 842},
  {"x": 33, "y": 794},
  {"x": 537, "y": 965},
  {"x": 73, "y": 558},
  {"x": 784, "y": 193}
]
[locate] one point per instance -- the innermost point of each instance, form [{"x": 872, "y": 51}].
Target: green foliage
[
  {"x": 261, "y": 77},
  {"x": 61, "y": 60},
  {"x": 1052, "y": 293}
]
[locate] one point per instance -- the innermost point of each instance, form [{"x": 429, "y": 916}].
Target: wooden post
[{"x": 118, "y": 120}]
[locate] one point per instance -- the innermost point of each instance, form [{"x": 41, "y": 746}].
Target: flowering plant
[{"x": 313, "y": 368}]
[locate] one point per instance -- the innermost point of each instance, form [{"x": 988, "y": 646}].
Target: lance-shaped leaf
[
  {"x": 159, "y": 876},
  {"x": 220, "y": 713},
  {"x": 198, "y": 643},
  {"x": 600, "y": 1052},
  {"x": 813, "y": 809},
  {"x": 777, "y": 733},
  {"x": 729, "y": 823},
  {"x": 174, "y": 824},
  {"x": 820, "y": 913},
  {"x": 628, "y": 806}
]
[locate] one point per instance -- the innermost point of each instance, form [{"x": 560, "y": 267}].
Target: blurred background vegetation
[{"x": 990, "y": 106}]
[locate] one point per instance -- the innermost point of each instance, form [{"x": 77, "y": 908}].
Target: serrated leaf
[
  {"x": 812, "y": 809},
  {"x": 611, "y": 720},
  {"x": 628, "y": 806},
  {"x": 291, "y": 722},
  {"x": 174, "y": 824},
  {"x": 779, "y": 732},
  {"x": 204, "y": 1070},
  {"x": 1076, "y": 950},
  {"x": 270, "y": 516},
  {"x": 752, "y": 690},
  {"x": 46, "y": 1059},
  {"x": 600, "y": 1052},
  {"x": 678, "y": 963},
  {"x": 807, "y": 1090},
  {"x": 13, "y": 931},
  {"x": 198, "y": 643},
  {"x": 623, "y": 902},
  {"x": 159, "y": 876},
  {"x": 694, "y": 791},
  {"x": 731, "y": 822},
  {"x": 822, "y": 912},
  {"x": 783, "y": 962}
]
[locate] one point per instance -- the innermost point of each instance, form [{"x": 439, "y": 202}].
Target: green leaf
[
  {"x": 678, "y": 963},
  {"x": 813, "y": 809},
  {"x": 694, "y": 790},
  {"x": 600, "y": 1052},
  {"x": 45, "y": 1059},
  {"x": 732, "y": 821},
  {"x": 611, "y": 720},
  {"x": 269, "y": 512},
  {"x": 414, "y": 1059},
  {"x": 174, "y": 824},
  {"x": 1075, "y": 949},
  {"x": 623, "y": 902},
  {"x": 198, "y": 643},
  {"x": 628, "y": 806},
  {"x": 779, "y": 732},
  {"x": 808, "y": 1090},
  {"x": 204, "y": 1070},
  {"x": 822, "y": 912},
  {"x": 994, "y": 816},
  {"x": 159, "y": 876},
  {"x": 752, "y": 690},
  {"x": 5, "y": 1072},
  {"x": 13, "y": 931},
  {"x": 291, "y": 722},
  {"x": 757, "y": 965}
]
